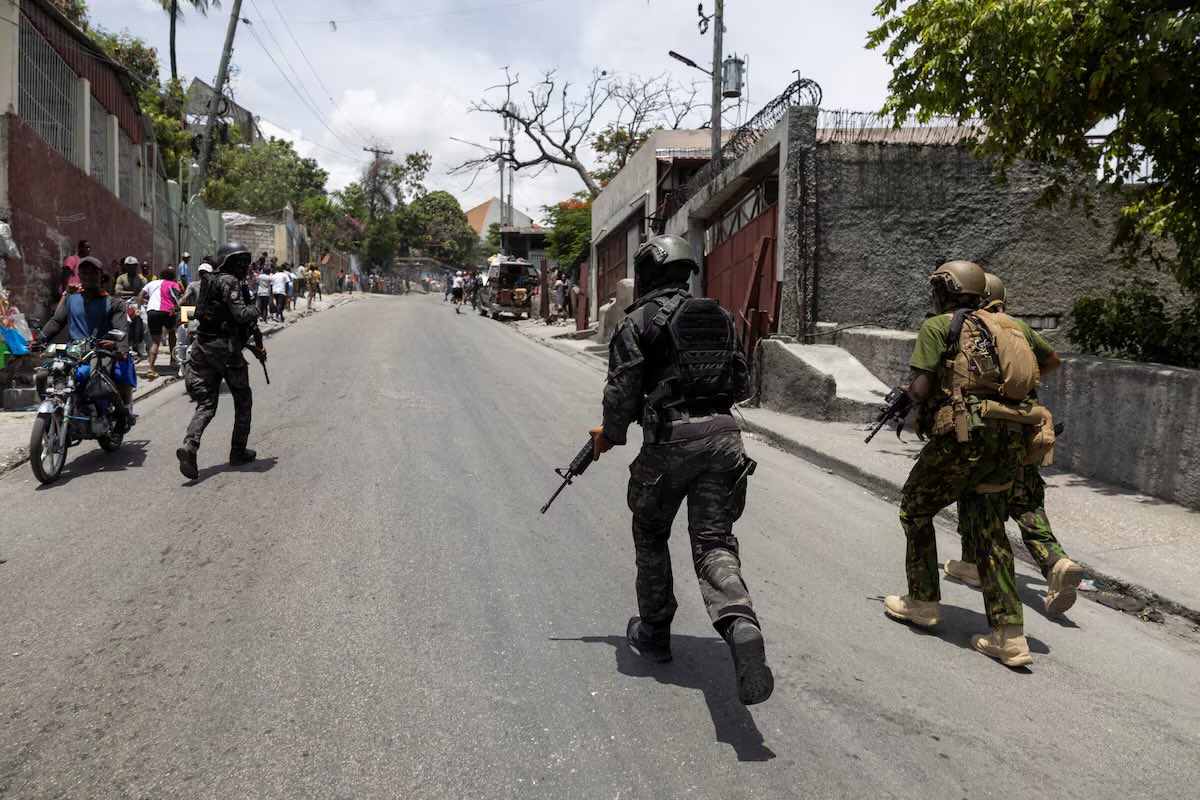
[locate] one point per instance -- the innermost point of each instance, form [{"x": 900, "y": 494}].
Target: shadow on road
[
  {"x": 703, "y": 664},
  {"x": 131, "y": 455},
  {"x": 957, "y": 627},
  {"x": 258, "y": 465}
]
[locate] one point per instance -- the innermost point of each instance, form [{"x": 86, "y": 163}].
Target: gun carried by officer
[
  {"x": 577, "y": 468},
  {"x": 896, "y": 406},
  {"x": 260, "y": 351}
]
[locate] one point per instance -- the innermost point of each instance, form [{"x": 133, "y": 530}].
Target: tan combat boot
[
  {"x": 1064, "y": 579},
  {"x": 1007, "y": 644},
  {"x": 919, "y": 612},
  {"x": 964, "y": 572}
]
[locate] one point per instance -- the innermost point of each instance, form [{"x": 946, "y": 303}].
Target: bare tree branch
[{"x": 558, "y": 119}]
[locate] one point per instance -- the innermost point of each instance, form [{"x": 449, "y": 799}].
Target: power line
[
  {"x": 317, "y": 75},
  {"x": 316, "y": 112},
  {"x": 286, "y": 130},
  {"x": 312, "y": 102},
  {"x": 397, "y": 17}
]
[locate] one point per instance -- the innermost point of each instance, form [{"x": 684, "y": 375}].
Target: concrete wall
[
  {"x": 1134, "y": 425},
  {"x": 54, "y": 205},
  {"x": 1128, "y": 424},
  {"x": 888, "y": 214},
  {"x": 257, "y": 237}
]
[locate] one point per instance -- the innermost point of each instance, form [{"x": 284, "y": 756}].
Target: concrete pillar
[
  {"x": 695, "y": 237},
  {"x": 138, "y": 181},
  {"x": 10, "y": 40},
  {"x": 798, "y": 220},
  {"x": 113, "y": 148},
  {"x": 83, "y": 125}
]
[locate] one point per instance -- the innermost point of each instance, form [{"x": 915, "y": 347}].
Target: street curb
[
  {"x": 891, "y": 490},
  {"x": 574, "y": 352},
  {"x": 172, "y": 380}
]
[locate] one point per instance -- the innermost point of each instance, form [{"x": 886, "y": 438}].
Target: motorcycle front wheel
[{"x": 45, "y": 455}]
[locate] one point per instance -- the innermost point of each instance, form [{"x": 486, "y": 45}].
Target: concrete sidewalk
[
  {"x": 15, "y": 426},
  {"x": 1129, "y": 543}
]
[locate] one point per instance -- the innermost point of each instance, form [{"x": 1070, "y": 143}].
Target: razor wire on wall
[
  {"x": 868, "y": 127},
  {"x": 801, "y": 92}
]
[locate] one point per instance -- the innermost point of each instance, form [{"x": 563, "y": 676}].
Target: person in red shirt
[{"x": 70, "y": 269}]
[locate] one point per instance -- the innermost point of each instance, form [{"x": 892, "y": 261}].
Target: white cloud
[{"x": 408, "y": 80}]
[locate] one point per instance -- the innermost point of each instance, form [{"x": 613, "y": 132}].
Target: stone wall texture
[
  {"x": 1130, "y": 424},
  {"x": 888, "y": 214},
  {"x": 54, "y": 204}
]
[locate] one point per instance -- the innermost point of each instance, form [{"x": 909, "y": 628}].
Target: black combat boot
[
  {"x": 187, "y": 462},
  {"x": 656, "y": 647},
  {"x": 241, "y": 455},
  {"x": 754, "y": 679}
]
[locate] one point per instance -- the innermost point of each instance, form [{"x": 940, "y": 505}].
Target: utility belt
[
  {"x": 961, "y": 414},
  {"x": 657, "y": 427}
]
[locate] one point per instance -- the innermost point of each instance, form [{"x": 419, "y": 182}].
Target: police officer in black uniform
[
  {"x": 676, "y": 367},
  {"x": 227, "y": 322}
]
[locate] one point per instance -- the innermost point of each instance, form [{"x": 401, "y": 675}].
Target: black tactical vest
[
  {"x": 690, "y": 347},
  {"x": 212, "y": 312}
]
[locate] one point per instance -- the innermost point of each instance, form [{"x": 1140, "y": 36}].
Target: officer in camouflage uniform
[
  {"x": 226, "y": 323},
  {"x": 1027, "y": 502},
  {"x": 977, "y": 473},
  {"x": 675, "y": 366}
]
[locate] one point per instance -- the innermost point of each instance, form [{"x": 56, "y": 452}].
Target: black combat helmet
[
  {"x": 233, "y": 258},
  {"x": 664, "y": 260}
]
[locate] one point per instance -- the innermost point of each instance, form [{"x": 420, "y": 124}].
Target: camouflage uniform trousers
[
  {"x": 708, "y": 473},
  {"x": 1027, "y": 507},
  {"x": 210, "y": 363},
  {"x": 948, "y": 471}
]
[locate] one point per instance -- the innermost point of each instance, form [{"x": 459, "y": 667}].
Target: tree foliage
[
  {"x": 572, "y": 223},
  {"x": 1134, "y": 322},
  {"x": 1042, "y": 76},
  {"x": 444, "y": 232},
  {"x": 261, "y": 180}
]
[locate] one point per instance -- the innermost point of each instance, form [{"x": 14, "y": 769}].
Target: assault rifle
[
  {"x": 577, "y": 468},
  {"x": 260, "y": 352},
  {"x": 896, "y": 407}
]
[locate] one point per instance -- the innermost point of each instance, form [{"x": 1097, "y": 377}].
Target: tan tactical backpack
[{"x": 994, "y": 358}]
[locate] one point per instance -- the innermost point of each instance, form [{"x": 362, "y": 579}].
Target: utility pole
[
  {"x": 217, "y": 95},
  {"x": 503, "y": 167},
  {"x": 378, "y": 155},
  {"x": 718, "y": 23},
  {"x": 512, "y": 170}
]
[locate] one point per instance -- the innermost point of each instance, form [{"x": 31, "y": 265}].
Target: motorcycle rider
[
  {"x": 227, "y": 323},
  {"x": 91, "y": 313}
]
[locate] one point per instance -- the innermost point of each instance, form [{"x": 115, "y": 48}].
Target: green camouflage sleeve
[{"x": 623, "y": 389}]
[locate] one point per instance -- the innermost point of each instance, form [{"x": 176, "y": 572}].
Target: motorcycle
[{"x": 80, "y": 402}]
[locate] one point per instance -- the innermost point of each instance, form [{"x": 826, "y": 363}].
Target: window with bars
[{"x": 46, "y": 92}]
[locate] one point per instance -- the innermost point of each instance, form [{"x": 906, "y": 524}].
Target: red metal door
[{"x": 740, "y": 273}]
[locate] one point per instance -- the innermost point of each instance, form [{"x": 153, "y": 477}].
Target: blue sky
[{"x": 405, "y": 72}]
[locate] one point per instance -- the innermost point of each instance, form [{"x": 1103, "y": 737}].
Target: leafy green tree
[
  {"x": 445, "y": 233},
  {"x": 1042, "y": 76},
  {"x": 493, "y": 238},
  {"x": 261, "y": 180},
  {"x": 572, "y": 223}
]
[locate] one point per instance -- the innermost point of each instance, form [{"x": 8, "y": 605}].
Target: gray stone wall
[
  {"x": 1135, "y": 425},
  {"x": 257, "y": 237},
  {"x": 888, "y": 214}
]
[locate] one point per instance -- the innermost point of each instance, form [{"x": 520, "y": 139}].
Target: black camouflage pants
[
  {"x": 210, "y": 363},
  {"x": 707, "y": 472}
]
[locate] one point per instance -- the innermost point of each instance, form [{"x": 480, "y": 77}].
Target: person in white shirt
[
  {"x": 263, "y": 293},
  {"x": 457, "y": 291},
  {"x": 280, "y": 282}
]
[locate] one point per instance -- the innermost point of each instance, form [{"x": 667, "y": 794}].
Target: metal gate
[
  {"x": 740, "y": 273},
  {"x": 611, "y": 265}
]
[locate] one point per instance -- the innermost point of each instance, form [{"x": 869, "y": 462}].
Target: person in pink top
[
  {"x": 70, "y": 270},
  {"x": 161, "y": 300}
]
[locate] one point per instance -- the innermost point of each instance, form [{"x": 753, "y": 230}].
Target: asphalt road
[{"x": 378, "y": 610}]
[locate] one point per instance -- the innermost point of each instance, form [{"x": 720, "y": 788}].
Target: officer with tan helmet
[
  {"x": 972, "y": 374},
  {"x": 1027, "y": 502}
]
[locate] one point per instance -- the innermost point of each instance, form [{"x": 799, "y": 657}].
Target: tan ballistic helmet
[
  {"x": 961, "y": 277},
  {"x": 995, "y": 289}
]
